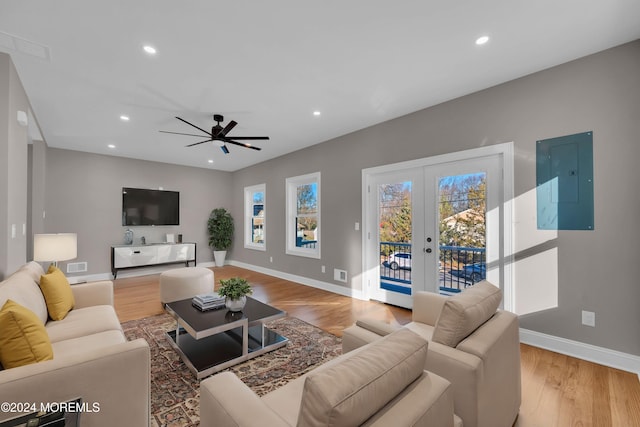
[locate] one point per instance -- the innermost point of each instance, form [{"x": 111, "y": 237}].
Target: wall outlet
[{"x": 589, "y": 318}]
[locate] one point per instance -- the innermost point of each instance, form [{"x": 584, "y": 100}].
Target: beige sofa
[
  {"x": 471, "y": 343},
  {"x": 381, "y": 384},
  {"x": 92, "y": 359}
]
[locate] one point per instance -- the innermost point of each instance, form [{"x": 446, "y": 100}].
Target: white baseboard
[
  {"x": 134, "y": 272},
  {"x": 341, "y": 290},
  {"x": 592, "y": 353}
]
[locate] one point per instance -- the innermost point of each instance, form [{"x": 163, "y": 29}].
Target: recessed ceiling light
[
  {"x": 111, "y": 146},
  {"x": 124, "y": 118},
  {"x": 316, "y": 113},
  {"x": 210, "y": 161},
  {"x": 150, "y": 49},
  {"x": 482, "y": 40}
]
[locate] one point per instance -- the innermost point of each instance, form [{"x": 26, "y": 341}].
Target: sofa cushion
[
  {"x": 23, "y": 338},
  {"x": 84, "y": 321},
  {"x": 23, "y": 289},
  {"x": 106, "y": 339},
  {"x": 368, "y": 380},
  {"x": 57, "y": 293},
  {"x": 465, "y": 312}
]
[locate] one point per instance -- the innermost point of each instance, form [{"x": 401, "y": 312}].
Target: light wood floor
[{"x": 557, "y": 390}]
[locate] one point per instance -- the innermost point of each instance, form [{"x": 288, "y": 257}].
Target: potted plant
[
  {"x": 220, "y": 228},
  {"x": 235, "y": 291}
]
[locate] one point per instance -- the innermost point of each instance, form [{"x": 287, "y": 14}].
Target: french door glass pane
[
  {"x": 462, "y": 223},
  {"x": 395, "y": 228}
]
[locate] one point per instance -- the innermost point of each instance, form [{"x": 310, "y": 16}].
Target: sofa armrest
[
  {"x": 497, "y": 343},
  {"x": 427, "y": 307},
  {"x": 225, "y": 401},
  {"x": 377, "y": 326},
  {"x": 113, "y": 382},
  {"x": 464, "y": 371},
  {"x": 93, "y": 293}
]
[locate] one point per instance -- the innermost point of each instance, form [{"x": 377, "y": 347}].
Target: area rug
[{"x": 175, "y": 394}]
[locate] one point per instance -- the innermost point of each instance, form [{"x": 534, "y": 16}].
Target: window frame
[
  {"x": 292, "y": 185},
  {"x": 248, "y": 217}
]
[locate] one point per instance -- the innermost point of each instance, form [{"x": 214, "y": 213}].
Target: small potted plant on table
[{"x": 235, "y": 291}]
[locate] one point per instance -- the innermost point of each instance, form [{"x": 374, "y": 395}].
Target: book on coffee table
[{"x": 210, "y": 301}]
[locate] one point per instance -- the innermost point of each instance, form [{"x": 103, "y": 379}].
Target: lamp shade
[{"x": 55, "y": 247}]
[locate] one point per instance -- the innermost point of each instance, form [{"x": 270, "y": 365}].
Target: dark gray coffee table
[{"x": 214, "y": 340}]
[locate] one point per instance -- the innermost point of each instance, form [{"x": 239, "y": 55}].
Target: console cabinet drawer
[{"x": 147, "y": 255}]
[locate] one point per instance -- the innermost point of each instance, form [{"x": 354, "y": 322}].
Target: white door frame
[{"x": 506, "y": 151}]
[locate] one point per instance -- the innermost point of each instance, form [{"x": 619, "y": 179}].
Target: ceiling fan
[{"x": 219, "y": 133}]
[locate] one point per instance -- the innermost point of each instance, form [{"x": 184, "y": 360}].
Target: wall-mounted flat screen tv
[{"x": 150, "y": 207}]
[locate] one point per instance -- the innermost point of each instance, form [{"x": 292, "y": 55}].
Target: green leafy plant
[
  {"x": 234, "y": 288},
  {"x": 220, "y": 228}
]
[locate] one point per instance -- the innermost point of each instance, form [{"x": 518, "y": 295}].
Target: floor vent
[
  {"x": 339, "y": 275},
  {"x": 77, "y": 267}
]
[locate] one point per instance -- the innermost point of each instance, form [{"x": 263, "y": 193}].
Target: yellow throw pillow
[
  {"x": 57, "y": 293},
  {"x": 23, "y": 338}
]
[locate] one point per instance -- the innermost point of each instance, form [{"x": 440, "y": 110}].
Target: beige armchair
[
  {"x": 380, "y": 384},
  {"x": 471, "y": 343}
]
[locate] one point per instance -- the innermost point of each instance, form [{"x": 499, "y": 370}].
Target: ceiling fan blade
[
  {"x": 227, "y": 128},
  {"x": 249, "y": 137},
  {"x": 197, "y": 143},
  {"x": 242, "y": 144},
  {"x": 179, "y": 133},
  {"x": 191, "y": 124},
  {"x": 224, "y": 149}
]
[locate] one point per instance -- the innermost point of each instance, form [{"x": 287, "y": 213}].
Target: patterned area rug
[{"x": 175, "y": 393}]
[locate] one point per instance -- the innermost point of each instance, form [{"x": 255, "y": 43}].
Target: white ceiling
[{"x": 269, "y": 64}]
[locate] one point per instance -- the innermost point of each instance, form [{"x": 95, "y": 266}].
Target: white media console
[{"x": 130, "y": 256}]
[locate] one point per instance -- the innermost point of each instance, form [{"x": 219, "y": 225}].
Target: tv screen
[{"x": 150, "y": 207}]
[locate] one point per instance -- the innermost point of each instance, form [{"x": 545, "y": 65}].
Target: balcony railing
[{"x": 459, "y": 267}]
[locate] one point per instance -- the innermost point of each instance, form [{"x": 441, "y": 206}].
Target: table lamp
[{"x": 55, "y": 247}]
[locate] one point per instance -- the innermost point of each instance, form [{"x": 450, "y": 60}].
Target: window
[
  {"x": 254, "y": 217},
  {"x": 303, "y": 215}
]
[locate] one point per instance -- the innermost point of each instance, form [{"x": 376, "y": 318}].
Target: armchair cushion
[
  {"x": 368, "y": 381},
  {"x": 57, "y": 293},
  {"x": 23, "y": 338},
  {"x": 465, "y": 312}
]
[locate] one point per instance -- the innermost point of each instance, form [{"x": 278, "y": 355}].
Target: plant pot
[
  {"x": 235, "y": 304},
  {"x": 219, "y": 257}
]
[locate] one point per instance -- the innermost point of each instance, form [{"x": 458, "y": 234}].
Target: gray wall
[
  {"x": 595, "y": 270},
  {"x": 13, "y": 168},
  {"x": 84, "y": 196}
]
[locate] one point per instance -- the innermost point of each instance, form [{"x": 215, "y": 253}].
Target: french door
[{"x": 434, "y": 227}]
